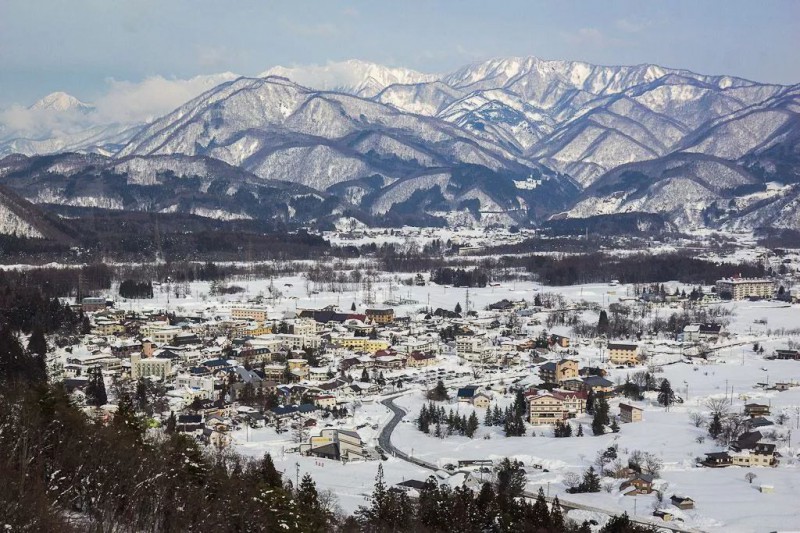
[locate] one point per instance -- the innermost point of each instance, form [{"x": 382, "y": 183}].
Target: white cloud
[
  {"x": 321, "y": 29},
  {"x": 590, "y": 37},
  {"x": 351, "y": 12},
  {"x": 143, "y": 101},
  {"x": 629, "y": 25},
  {"x": 124, "y": 102},
  {"x": 20, "y": 121},
  {"x": 350, "y": 74}
]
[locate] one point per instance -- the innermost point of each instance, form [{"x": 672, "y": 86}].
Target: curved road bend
[{"x": 385, "y": 442}]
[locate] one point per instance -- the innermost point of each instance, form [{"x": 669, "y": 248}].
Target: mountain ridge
[{"x": 507, "y": 140}]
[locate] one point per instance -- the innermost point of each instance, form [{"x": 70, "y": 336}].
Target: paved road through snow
[{"x": 385, "y": 442}]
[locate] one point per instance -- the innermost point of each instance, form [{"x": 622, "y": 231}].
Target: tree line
[
  {"x": 640, "y": 268},
  {"x": 498, "y": 506},
  {"x": 460, "y": 277}
]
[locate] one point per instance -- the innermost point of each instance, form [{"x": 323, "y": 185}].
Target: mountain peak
[
  {"x": 60, "y": 101},
  {"x": 353, "y": 76}
]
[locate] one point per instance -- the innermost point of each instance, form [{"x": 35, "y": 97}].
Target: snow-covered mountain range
[{"x": 514, "y": 140}]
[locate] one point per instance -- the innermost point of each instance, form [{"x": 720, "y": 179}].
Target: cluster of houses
[{"x": 748, "y": 449}]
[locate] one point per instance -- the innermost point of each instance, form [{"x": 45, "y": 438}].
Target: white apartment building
[
  {"x": 742, "y": 288},
  {"x": 159, "y": 333},
  {"x": 470, "y": 345},
  {"x": 149, "y": 367}
]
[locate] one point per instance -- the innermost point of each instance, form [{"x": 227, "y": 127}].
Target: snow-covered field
[{"x": 725, "y": 501}]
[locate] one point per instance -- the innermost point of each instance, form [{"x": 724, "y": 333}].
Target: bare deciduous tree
[
  {"x": 571, "y": 480},
  {"x": 698, "y": 419},
  {"x": 732, "y": 428},
  {"x": 718, "y": 406}
]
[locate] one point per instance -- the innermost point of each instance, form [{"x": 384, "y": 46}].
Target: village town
[{"x": 615, "y": 397}]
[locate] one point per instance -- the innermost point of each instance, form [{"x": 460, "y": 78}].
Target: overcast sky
[{"x": 84, "y": 47}]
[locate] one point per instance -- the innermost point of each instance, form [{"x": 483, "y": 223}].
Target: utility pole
[{"x": 297, "y": 476}]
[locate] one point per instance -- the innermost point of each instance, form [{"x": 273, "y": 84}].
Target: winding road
[{"x": 385, "y": 442}]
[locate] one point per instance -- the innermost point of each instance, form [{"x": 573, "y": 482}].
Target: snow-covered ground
[{"x": 724, "y": 500}]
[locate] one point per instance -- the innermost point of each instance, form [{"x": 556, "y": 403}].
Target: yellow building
[
  {"x": 257, "y": 329},
  {"x": 558, "y": 371},
  {"x": 545, "y": 409},
  {"x": 380, "y": 316},
  {"x": 364, "y": 344},
  {"x": 417, "y": 359},
  {"x": 259, "y": 315},
  {"x": 299, "y": 367},
  {"x": 481, "y": 400},
  {"x": 107, "y": 327},
  {"x": 620, "y": 353}
]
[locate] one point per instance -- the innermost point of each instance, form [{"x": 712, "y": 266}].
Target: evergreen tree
[
  {"x": 423, "y": 420},
  {"x": 622, "y": 524},
  {"x": 472, "y": 425},
  {"x": 590, "y": 397},
  {"x": 457, "y": 309},
  {"x": 540, "y": 515},
  {"x": 510, "y": 479},
  {"x": 514, "y": 425},
  {"x": 580, "y": 431},
  {"x": 86, "y": 326},
  {"x": 365, "y": 376},
  {"x": 169, "y": 427},
  {"x": 666, "y": 396},
  {"x": 439, "y": 393},
  {"x": 431, "y": 507},
  {"x": 389, "y": 510},
  {"x": 519, "y": 403},
  {"x": 591, "y": 481},
  {"x": 556, "y": 516},
  {"x": 486, "y": 503},
  {"x": 600, "y": 420},
  {"x": 126, "y": 419},
  {"x": 562, "y": 429},
  {"x": 614, "y": 425},
  {"x": 37, "y": 344},
  {"x": 13, "y": 363},
  {"x": 487, "y": 418},
  {"x": 141, "y": 394},
  {"x": 267, "y": 473},
  {"x": 353, "y": 307},
  {"x": 602, "y": 322},
  {"x": 715, "y": 427},
  {"x": 96, "y": 389},
  {"x": 308, "y": 500},
  {"x": 497, "y": 416}
]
